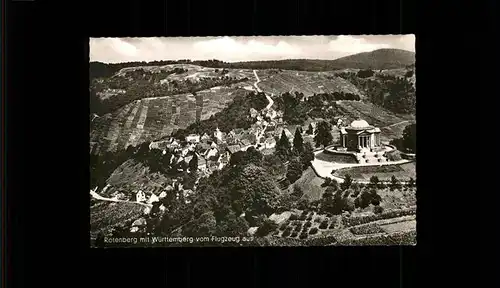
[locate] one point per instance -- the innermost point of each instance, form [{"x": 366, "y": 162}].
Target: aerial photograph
[{"x": 252, "y": 141}]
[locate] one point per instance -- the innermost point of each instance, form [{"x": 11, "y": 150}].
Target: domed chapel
[{"x": 360, "y": 136}]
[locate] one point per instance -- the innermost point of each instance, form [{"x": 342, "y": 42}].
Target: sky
[{"x": 234, "y": 49}]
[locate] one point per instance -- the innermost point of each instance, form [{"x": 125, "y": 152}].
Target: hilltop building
[{"x": 360, "y": 136}]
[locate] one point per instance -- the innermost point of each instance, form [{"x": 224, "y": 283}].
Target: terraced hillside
[
  {"x": 308, "y": 83},
  {"x": 152, "y": 118},
  {"x": 158, "y": 112}
]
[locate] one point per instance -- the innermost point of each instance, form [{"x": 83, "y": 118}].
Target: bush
[
  {"x": 317, "y": 219},
  {"x": 313, "y": 231},
  {"x": 293, "y": 217},
  {"x": 323, "y": 225},
  {"x": 268, "y": 227},
  {"x": 327, "y": 182},
  {"x": 294, "y": 234},
  {"x": 283, "y": 226},
  {"x": 302, "y": 217},
  {"x": 367, "y": 229},
  {"x": 347, "y": 182},
  {"x": 308, "y": 224},
  {"x": 287, "y": 231},
  {"x": 303, "y": 235},
  {"x": 355, "y": 194},
  {"x": 348, "y": 192},
  {"x": 332, "y": 225},
  {"x": 349, "y": 205},
  {"x": 375, "y": 202},
  {"x": 378, "y": 209},
  {"x": 304, "y": 212},
  {"x": 309, "y": 218}
]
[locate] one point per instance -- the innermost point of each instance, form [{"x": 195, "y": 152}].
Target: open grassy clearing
[
  {"x": 400, "y": 226},
  {"x": 336, "y": 158},
  {"x": 403, "y": 172},
  {"x": 310, "y": 184}
]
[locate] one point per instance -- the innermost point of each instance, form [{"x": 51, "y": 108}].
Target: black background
[{"x": 46, "y": 124}]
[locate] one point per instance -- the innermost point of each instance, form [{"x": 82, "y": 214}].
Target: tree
[
  {"x": 411, "y": 182},
  {"x": 254, "y": 187},
  {"x": 297, "y": 191},
  {"x": 323, "y": 135},
  {"x": 232, "y": 225},
  {"x": 310, "y": 129},
  {"x": 329, "y": 192},
  {"x": 364, "y": 199},
  {"x": 294, "y": 170},
  {"x": 273, "y": 165},
  {"x": 193, "y": 163},
  {"x": 303, "y": 203},
  {"x": 202, "y": 226},
  {"x": 298, "y": 142},
  {"x": 347, "y": 182},
  {"x": 283, "y": 147},
  {"x": 253, "y": 156},
  {"x": 268, "y": 227},
  {"x": 374, "y": 197},
  {"x": 307, "y": 155},
  {"x": 409, "y": 138},
  {"x": 378, "y": 209},
  {"x": 395, "y": 183},
  {"x": 374, "y": 181}
]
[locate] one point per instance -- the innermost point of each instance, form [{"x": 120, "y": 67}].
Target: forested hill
[{"x": 378, "y": 59}]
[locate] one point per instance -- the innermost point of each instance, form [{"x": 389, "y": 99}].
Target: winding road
[
  {"x": 271, "y": 102},
  {"x": 397, "y": 123},
  {"x": 99, "y": 197}
]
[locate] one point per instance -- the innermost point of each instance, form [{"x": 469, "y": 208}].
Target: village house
[
  {"x": 270, "y": 143},
  {"x": 253, "y": 113},
  {"x": 212, "y": 154},
  {"x": 202, "y": 147},
  {"x": 202, "y": 163},
  {"x": 205, "y": 137},
  {"x": 219, "y": 135},
  {"x": 223, "y": 159},
  {"x": 233, "y": 148},
  {"x": 193, "y": 138}
]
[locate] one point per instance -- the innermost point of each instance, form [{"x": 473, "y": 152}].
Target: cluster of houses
[{"x": 213, "y": 152}]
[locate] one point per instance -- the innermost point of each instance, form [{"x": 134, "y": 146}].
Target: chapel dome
[{"x": 359, "y": 124}]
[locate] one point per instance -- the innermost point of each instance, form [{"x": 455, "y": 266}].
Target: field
[
  {"x": 104, "y": 215},
  {"x": 403, "y": 172},
  {"x": 308, "y": 83},
  {"x": 317, "y": 229}
]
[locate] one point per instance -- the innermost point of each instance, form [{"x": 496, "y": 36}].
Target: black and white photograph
[{"x": 253, "y": 141}]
